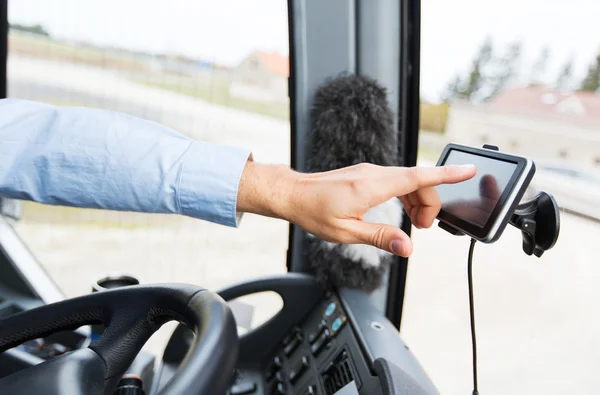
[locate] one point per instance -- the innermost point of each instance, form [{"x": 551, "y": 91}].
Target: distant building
[
  {"x": 261, "y": 76},
  {"x": 535, "y": 121}
]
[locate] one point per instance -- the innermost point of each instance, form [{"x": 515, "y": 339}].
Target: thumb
[{"x": 386, "y": 237}]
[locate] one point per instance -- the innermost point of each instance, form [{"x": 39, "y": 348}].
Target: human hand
[
  {"x": 478, "y": 210},
  {"x": 332, "y": 205}
]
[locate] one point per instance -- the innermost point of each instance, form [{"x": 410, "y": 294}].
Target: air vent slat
[{"x": 339, "y": 374}]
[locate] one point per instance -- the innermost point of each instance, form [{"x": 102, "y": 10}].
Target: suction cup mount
[{"x": 539, "y": 222}]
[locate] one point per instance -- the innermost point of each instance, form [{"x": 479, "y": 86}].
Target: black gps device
[{"x": 481, "y": 207}]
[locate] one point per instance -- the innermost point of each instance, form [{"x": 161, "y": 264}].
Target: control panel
[
  {"x": 319, "y": 356},
  {"x": 320, "y": 343}
]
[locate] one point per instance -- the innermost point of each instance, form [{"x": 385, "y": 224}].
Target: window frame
[{"x": 379, "y": 39}]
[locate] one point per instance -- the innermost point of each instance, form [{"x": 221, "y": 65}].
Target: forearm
[{"x": 99, "y": 159}]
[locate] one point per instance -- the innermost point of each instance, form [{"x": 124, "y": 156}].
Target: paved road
[{"x": 537, "y": 319}]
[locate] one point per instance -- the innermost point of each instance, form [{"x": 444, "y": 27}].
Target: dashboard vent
[{"x": 339, "y": 373}]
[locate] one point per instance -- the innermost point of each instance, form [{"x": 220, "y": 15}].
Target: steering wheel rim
[{"x": 131, "y": 315}]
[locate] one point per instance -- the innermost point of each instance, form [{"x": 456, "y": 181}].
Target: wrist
[{"x": 267, "y": 190}]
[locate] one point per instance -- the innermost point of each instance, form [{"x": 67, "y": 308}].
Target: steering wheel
[{"x": 131, "y": 315}]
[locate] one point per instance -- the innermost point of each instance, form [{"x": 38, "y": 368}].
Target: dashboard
[
  {"x": 318, "y": 356},
  {"x": 322, "y": 342},
  {"x": 330, "y": 342}
]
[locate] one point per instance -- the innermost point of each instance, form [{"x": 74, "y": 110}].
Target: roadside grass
[
  {"x": 217, "y": 92},
  {"x": 47, "y": 48}
]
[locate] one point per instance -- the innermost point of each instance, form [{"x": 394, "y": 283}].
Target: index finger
[{"x": 426, "y": 177}]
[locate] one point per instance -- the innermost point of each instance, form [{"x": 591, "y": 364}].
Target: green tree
[
  {"x": 476, "y": 79},
  {"x": 505, "y": 70},
  {"x": 564, "y": 80},
  {"x": 35, "y": 29},
  {"x": 540, "y": 67},
  {"x": 591, "y": 82},
  {"x": 453, "y": 90}
]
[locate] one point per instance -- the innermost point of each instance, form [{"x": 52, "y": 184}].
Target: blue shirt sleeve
[{"x": 93, "y": 158}]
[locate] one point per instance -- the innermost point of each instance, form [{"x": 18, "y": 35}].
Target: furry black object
[{"x": 351, "y": 122}]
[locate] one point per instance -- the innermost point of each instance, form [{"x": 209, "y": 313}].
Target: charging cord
[{"x": 472, "y": 313}]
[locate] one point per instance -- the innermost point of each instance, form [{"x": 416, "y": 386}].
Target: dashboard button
[
  {"x": 278, "y": 389},
  {"x": 321, "y": 342},
  {"x": 289, "y": 337},
  {"x": 330, "y": 309},
  {"x": 298, "y": 369},
  {"x": 243, "y": 388},
  {"x": 315, "y": 335},
  {"x": 273, "y": 368},
  {"x": 293, "y": 344},
  {"x": 337, "y": 324},
  {"x": 311, "y": 390}
]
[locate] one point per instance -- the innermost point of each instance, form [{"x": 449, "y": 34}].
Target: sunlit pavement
[{"x": 538, "y": 324}]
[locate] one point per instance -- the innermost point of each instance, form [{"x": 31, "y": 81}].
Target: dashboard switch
[
  {"x": 291, "y": 336},
  {"x": 243, "y": 388},
  {"x": 315, "y": 335},
  {"x": 337, "y": 324},
  {"x": 278, "y": 389},
  {"x": 277, "y": 361},
  {"x": 273, "y": 368},
  {"x": 330, "y": 309},
  {"x": 292, "y": 345},
  {"x": 311, "y": 390},
  {"x": 297, "y": 370},
  {"x": 320, "y": 343}
]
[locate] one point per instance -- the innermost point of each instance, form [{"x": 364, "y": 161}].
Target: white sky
[{"x": 226, "y": 30}]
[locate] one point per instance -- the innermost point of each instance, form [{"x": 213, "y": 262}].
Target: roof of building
[
  {"x": 276, "y": 63},
  {"x": 577, "y": 107}
]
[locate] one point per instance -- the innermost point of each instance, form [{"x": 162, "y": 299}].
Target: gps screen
[{"x": 474, "y": 200}]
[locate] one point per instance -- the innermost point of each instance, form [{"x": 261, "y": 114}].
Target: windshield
[
  {"x": 586, "y": 175},
  {"x": 195, "y": 66},
  {"x": 523, "y": 75}
]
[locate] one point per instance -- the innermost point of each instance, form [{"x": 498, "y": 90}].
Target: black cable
[{"x": 472, "y": 313}]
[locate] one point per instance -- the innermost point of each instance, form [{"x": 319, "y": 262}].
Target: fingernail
[{"x": 397, "y": 247}]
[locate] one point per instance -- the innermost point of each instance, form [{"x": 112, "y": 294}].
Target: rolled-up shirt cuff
[{"x": 209, "y": 182}]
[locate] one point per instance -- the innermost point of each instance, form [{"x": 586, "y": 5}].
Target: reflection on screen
[{"x": 475, "y": 199}]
